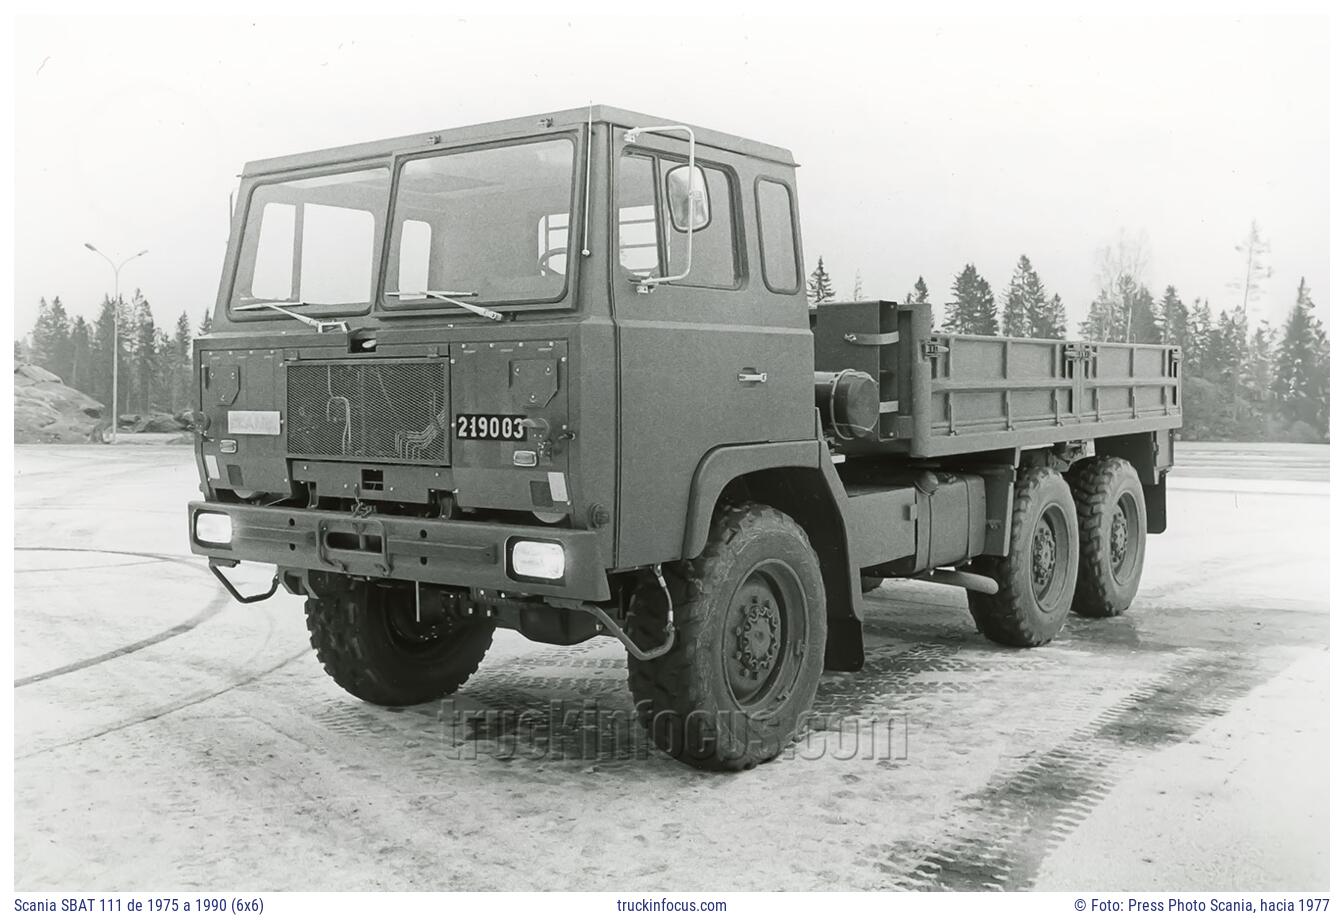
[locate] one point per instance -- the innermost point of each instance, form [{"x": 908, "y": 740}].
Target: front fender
[{"x": 724, "y": 464}]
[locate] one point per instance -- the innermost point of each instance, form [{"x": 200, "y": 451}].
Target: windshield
[
  {"x": 312, "y": 242},
  {"x": 489, "y": 225}
]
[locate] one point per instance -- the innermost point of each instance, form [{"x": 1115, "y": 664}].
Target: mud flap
[{"x": 1155, "y": 503}]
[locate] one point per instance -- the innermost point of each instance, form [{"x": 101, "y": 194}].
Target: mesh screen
[{"x": 369, "y": 410}]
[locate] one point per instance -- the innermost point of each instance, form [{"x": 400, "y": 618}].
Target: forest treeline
[
  {"x": 154, "y": 370},
  {"x": 1267, "y": 383},
  {"x": 1241, "y": 383}
]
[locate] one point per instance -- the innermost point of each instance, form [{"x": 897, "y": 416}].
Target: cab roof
[{"x": 512, "y": 127}]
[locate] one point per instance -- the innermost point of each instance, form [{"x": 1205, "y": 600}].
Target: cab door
[{"x": 696, "y": 363}]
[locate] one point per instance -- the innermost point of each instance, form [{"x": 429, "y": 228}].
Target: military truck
[{"x": 559, "y": 375}]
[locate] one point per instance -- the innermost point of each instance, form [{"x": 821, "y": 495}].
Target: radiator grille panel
[{"x": 368, "y": 410}]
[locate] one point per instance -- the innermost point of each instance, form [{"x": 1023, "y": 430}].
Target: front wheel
[
  {"x": 1037, "y": 578},
  {"x": 374, "y": 642},
  {"x": 751, "y": 634}
]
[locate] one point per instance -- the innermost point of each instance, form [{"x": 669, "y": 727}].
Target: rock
[
  {"x": 32, "y": 373},
  {"x": 48, "y": 411},
  {"x": 158, "y": 423}
]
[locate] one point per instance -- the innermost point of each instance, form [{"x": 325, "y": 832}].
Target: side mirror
[{"x": 688, "y": 199}]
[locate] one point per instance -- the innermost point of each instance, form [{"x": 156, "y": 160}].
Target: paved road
[
  {"x": 1272, "y": 462},
  {"x": 166, "y": 738}
]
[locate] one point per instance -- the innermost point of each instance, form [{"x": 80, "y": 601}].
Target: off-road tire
[
  {"x": 756, "y": 559},
  {"x": 354, "y": 639},
  {"x": 870, "y": 583},
  {"x": 1018, "y": 615},
  {"x": 1102, "y": 488}
]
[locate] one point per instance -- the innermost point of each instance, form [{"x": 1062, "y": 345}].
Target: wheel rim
[
  {"x": 765, "y": 623},
  {"x": 1124, "y": 538},
  {"x": 1048, "y": 569}
]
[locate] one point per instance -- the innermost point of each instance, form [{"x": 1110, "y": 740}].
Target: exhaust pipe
[{"x": 981, "y": 584}]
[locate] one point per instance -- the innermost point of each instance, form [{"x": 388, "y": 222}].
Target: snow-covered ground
[{"x": 166, "y": 738}]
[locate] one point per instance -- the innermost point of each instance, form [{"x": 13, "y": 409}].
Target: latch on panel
[{"x": 872, "y": 338}]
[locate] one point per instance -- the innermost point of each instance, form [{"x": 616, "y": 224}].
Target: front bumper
[{"x": 466, "y": 553}]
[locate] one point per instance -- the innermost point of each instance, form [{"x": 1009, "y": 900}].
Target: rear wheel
[
  {"x": 1037, "y": 578},
  {"x": 1113, "y": 533},
  {"x": 869, "y": 583},
  {"x": 751, "y": 633},
  {"x": 372, "y": 641}
]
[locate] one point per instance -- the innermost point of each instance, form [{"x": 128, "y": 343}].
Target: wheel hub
[
  {"x": 1042, "y": 556},
  {"x": 757, "y": 635},
  {"x": 1119, "y": 539}
]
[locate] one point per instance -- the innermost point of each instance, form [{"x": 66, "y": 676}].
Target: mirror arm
[{"x": 645, "y": 285}]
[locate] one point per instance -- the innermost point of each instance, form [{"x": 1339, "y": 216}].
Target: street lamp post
[{"x": 116, "y": 320}]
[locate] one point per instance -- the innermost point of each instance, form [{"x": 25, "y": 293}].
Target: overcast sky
[{"x": 924, "y": 143}]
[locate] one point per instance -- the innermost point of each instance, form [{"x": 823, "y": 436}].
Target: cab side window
[
  {"x": 637, "y": 217},
  {"x": 713, "y": 259},
  {"x": 648, "y": 240},
  {"x": 779, "y": 247}
]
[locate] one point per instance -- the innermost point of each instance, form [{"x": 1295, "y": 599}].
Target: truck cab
[{"x": 557, "y": 374}]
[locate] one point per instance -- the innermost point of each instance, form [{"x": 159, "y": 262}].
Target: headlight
[
  {"x": 212, "y": 527},
  {"x": 532, "y": 559}
]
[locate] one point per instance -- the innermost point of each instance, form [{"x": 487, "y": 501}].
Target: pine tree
[
  {"x": 100, "y": 363},
  {"x": 921, "y": 292},
  {"x": 80, "y": 354},
  {"x": 858, "y": 285},
  {"x": 1225, "y": 353},
  {"x": 972, "y": 310},
  {"x": 1142, "y": 325},
  {"x": 1198, "y": 328},
  {"x": 1258, "y": 374},
  {"x": 207, "y": 323},
  {"x": 1301, "y": 386},
  {"x": 819, "y": 289},
  {"x": 1172, "y": 318},
  {"x": 1027, "y": 310},
  {"x": 144, "y": 340},
  {"x": 51, "y": 338},
  {"x": 1053, "y": 323},
  {"x": 164, "y": 381},
  {"x": 181, "y": 380},
  {"x": 1015, "y": 299}
]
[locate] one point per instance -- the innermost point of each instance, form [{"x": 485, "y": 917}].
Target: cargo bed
[{"x": 956, "y": 394}]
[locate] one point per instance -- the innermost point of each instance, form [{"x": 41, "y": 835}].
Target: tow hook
[{"x": 223, "y": 580}]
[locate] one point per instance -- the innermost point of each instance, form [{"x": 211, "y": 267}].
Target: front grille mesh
[{"x": 369, "y": 410}]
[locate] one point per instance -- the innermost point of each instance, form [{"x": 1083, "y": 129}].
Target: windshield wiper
[
  {"x": 280, "y": 306},
  {"x": 450, "y": 297}
]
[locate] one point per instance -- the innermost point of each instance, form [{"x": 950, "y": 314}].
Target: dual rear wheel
[{"x": 1077, "y": 543}]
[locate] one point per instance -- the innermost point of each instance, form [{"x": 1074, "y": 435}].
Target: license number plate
[{"x": 490, "y": 428}]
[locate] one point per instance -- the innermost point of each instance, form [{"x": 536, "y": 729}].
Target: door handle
[{"x": 748, "y": 375}]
